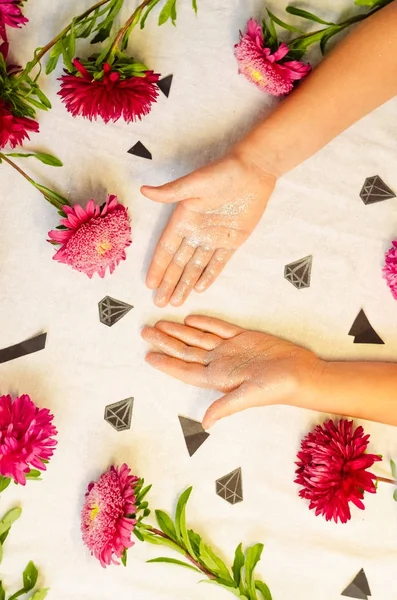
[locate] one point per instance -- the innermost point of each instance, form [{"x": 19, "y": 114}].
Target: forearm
[
  {"x": 357, "y": 77},
  {"x": 365, "y": 390}
]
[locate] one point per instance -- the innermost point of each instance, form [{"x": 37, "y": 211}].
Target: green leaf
[
  {"x": 33, "y": 474},
  {"x": 102, "y": 34},
  {"x": 252, "y": 558},
  {"x": 326, "y": 37},
  {"x": 238, "y": 563},
  {"x": 30, "y": 576},
  {"x": 166, "y": 525},
  {"x": 168, "y": 12},
  {"x": 72, "y": 40},
  {"x": 51, "y": 64},
  {"x": 293, "y": 10},
  {"x": 160, "y": 541},
  {"x": 173, "y": 561},
  {"x": 149, "y": 9},
  {"x": 40, "y": 594},
  {"x": 263, "y": 589},
  {"x": 52, "y": 197},
  {"x": 395, "y": 495},
  {"x": 4, "y": 483},
  {"x": 282, "y": 24},
  {"x": 47, "y": 159},
  {"x": 393, "y": 467},
  {"x": 195, "y": 540},
  {"x": 138, "y": 534},
  {"x": 180, "y": 521},
  {"x": 4, "y": 536},
  {"x": 9, "y": 518},
  {"x": 215, "y": 564},
  {"x": 124, "y": 557},
  {"x": 2, "y": 592}
]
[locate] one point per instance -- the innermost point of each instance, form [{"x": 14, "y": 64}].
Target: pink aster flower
[
  {"x": 333, "y": 469},
  {"x": 93, "y": 239},
  {"x": 111, "y": 97},
  {"x": 10, "y": 15},
  {"x": 390, "y": 269},
  {"x": 14, "y": 130},
  {"x": 26, "y": 437},
  {"x": 267, "y": 70},
  {"x": 107, "y": 519}
]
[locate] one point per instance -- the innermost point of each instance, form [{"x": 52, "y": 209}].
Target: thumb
[
  {"x": 176, "y": 191},
  {"x": 243, "y": 397}
]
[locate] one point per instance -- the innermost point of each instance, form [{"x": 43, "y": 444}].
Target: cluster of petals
[
  {"x": 266, "y": 69},
  {"x": 333, "y": 469},
  {"x": 10, "y": 16},
  {"x": 14, "y": 130},
  {"x": 390, "y": 269}
]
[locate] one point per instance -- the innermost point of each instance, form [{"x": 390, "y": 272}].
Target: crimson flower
[
  {"x": 112, "y": 95},
  {"x": 11, "y": 16},
  {"x": 268, "y": 70},
  {"x": 107, "y": 520},
  {"x": 26, "y": 437},
  {"x": 14, "y": 130},
  {"x": 332, "y": 468},
  {"x": 390, "y": 269},
  {"x": 93, "y": 239}
]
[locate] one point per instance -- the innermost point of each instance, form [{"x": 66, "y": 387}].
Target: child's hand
[
  {"x": 219, "y": 207},
  {"x": 253, "y": 368}
]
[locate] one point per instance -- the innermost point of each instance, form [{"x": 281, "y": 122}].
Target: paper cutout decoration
[
  {"x": 193, "y": 433},
  {"x": 363, "y": 332},
  {"x": 119, "y": 414},
  {"x": 299, "y": 272},
  {"x": 375, "y": 190},
  {"x": 112, "y": 310},
  {"x": 165, "y": 84},
  {"x": 230, "y": 487},
  {"x": 358, "y": 588},
  {"x": 140, "y": 150},
  {"x": 23, "y": 348}
]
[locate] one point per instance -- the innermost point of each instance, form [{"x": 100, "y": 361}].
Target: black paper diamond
[
  {"x": 298, "y": 273},
  {"x": 358, "y": 588},
  {"x": 375, "y": 190},
  {"x": 363, "y": 332},
  {"x": 230, "y": 487},
  {"x": 165, "y": 84},
  {"x": 112, "y": 310},
  {"x": 119, "y": 414},
  {"x": 140, "y": 150},
  {"x": 193, "y": 433}
]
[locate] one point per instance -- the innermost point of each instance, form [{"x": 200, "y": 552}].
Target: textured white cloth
[{"x": 85, "y": 366}]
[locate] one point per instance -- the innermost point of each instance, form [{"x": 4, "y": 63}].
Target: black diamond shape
[
  {"x": 193, "y": 433},
  {"x": 119, "y": 414},
  {"x": 363, "y": 332},
  {"x": 299, "y": 272},
  {"x": 375, "y": 190},
  {"x": 230, "y": 487},
  {"x": 165, "y": 84},
  {"x": 359, "y": 587},
  {"x": 140, "y": 150},
  {"x": 112, "y": 310}
]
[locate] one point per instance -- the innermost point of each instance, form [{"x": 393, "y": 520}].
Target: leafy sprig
[
  {"x": 393, "y": 467},
  {"x": 200, "y": 556}
]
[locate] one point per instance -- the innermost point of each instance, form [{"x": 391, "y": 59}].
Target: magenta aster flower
[
  {"x": 332, "y": 468},
  {"x": 107, "y": 519},
  {"x": 26, "y": 437},
  {"x": 390, "y": 269},
  {"x": 93, "y": 239},
  {"x": 111, "y": 97},
  {"x": 267, "y": 70},
  {"x": 14, "y": 130},
  {"x": 10, "y": 15}
]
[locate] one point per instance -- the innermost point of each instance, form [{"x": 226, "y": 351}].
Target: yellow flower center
[
  {"x": 94, "y": 512},
  {"x": 256, "y": 75},
  {"x": 104, "y": 247}
]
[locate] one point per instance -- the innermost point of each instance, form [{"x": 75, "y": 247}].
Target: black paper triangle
[
  {"x": 165, "y": 84},
  {"x": 193, "y": 433},
  {"x": 375, "y": 190},
  {"x": 140, "y": 150},
  {"x": 359, "y": 587},
  {"x": 363, "y": 332},
  {"x": 30, "y": 346}
]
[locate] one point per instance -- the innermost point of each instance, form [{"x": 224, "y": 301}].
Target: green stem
[
  {"x": 194, "y": 562},
  {"x": 115, "y": 46},
  {"x": 386, "y": 480},
  {"x": 58, "y": 204},
  {"x": 60, "y": 35}
]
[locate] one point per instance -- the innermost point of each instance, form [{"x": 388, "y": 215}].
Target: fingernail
[{"x": 209, "y": 424}]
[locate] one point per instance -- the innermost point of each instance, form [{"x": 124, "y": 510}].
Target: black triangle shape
[
  {"x": 363, "y": 332},
  {"x": 359, "y": 587},
  {"x": 140, "y": 150},
  {"x": 193, "y": 433},
  {"x": 165, "y": 85}
]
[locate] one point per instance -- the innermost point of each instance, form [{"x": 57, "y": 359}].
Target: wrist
[{"x": 249, "y": 156}]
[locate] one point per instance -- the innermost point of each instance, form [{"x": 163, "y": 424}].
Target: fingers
[
  {"x": 190, "y": 335},
  {"x": 175, "y": 191},
  {"x": 216, "y": 326},
  {"x": 173, "y": 273},
  {"x": 213, "y": 269},
  {"x": 167, "y": 247},
  {"x": 239, "y": 399},
  {"x": 191, "y": 274},
  {"x": 173, "y": 347},
  {"x": 192, "y": 373}
]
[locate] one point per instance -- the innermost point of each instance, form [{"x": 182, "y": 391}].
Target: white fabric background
[{"x": 315, "y": 210}]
